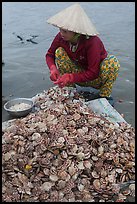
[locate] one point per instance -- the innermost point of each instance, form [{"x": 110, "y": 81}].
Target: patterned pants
[{"x": 109, "y": 68}]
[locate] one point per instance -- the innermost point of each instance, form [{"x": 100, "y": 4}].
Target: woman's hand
[
  {"x": 64, "y": 80},
  {"x": 54, "y": 73}
]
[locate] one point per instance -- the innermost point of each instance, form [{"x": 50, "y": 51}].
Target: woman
[{"x": 78, "y": 56}]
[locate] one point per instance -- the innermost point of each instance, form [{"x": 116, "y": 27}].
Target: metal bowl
[{"x": 18, "y": 113}]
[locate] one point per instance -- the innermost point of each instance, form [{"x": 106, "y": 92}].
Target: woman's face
[{"x": 66, "y": 35}]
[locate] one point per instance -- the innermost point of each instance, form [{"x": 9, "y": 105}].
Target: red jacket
[{"x": 89, "y": 55}]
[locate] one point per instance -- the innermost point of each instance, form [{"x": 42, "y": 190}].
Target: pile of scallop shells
[{"x": 64, "y": 152}]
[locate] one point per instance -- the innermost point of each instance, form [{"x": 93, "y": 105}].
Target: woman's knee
[
  {"x": 59, "y": 52},
  {"x": 109, "y": 68}
]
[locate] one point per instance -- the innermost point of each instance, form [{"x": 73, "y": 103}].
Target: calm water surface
[{"x": 25, "y": 72}]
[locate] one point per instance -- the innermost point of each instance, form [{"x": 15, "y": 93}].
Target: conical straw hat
[{"x": 73, "y": 19}]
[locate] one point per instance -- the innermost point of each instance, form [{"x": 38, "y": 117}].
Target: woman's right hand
[{"x": 54, "y": 73}]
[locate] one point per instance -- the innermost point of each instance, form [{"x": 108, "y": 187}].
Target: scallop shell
[
  {"x": 72, "y": 123},
  {"x": 64, "y": 154},
  {"x": 54, "y": 122},
  {"x": 72, "y": 170},
  {"x": 80, "y": 187},
  {"x": 8, "y": 155},
  {"x": 113, "y": 146},
  {"x": 103, "y": 173},
  {"x": 94, "y": 158},
  {"x": 93, "y": 120},
  {"x": 50, "y": 117},
  {"x": 76, "y": 116},
  {"x": 87, "y": 155},
  {"x": 36, "y": 136},
  {"x": 120, "y": 171},
  {"x": 61, "y": 140},
  {"x": 87, "y": 164},
  {"x": 85, "y": 129},
  {"x": 121, "y": 196},
  {"x": 22, "y": 178},
  {"x": 80, "y": 156},
  {"x": 46, "y": 186},
  {"x": 53, "y": 170},
  {"x": 126, "y": 192},
  {"x": 53, "y": 177},
  {"x": 94, "y": 174},
  {"x": 96, "y": 184},
  {"x": 130, "y": 164},
  {"x": 132, "y": 187},
  {"x": 80, "y": 131},
  {"x": 75, "y": 176},
  {"x": 42, "y": 127},
  {"x": 80, "y": 165},
  {"x": 61, "y": 184},
  {"x": 111, "y": 178},
  {"x": 46, "y": 171},
  {"x": 65, "y": 132},
  {"x": 86, "y": 196},
  {"x": 100, "y": 150},
  {"x": 63, "y": 175}
]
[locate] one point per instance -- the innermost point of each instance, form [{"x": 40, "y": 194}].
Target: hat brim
[{"x": 74, "y": 19}]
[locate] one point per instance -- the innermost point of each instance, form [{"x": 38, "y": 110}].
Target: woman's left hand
[{"x": 64, "y": 80}]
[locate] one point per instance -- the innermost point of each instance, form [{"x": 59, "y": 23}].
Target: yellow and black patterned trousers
[{"x": 109, "y": 68}]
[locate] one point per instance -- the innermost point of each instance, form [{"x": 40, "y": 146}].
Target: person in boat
[{"x": 78, "y": 56}]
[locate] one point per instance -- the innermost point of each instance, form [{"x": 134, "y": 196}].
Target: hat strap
[{"x": 75, "y": 37}]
